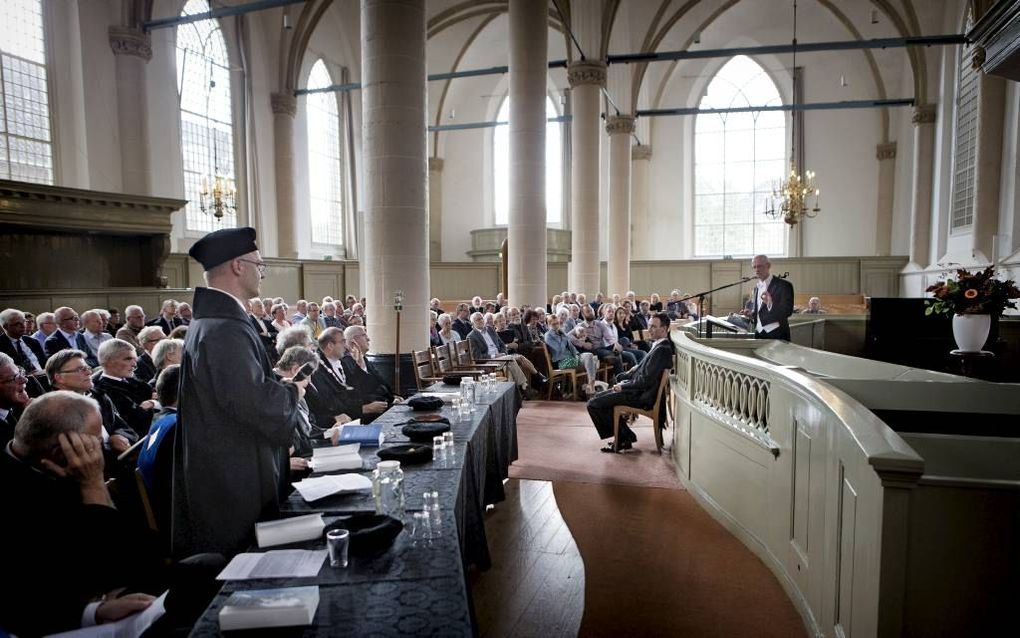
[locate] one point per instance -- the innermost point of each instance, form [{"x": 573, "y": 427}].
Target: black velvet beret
[
  {"x": 423, "y": 432},
  {"x": 407, "y": 454},
  {"x": 223, "y": 245},
  {"x": 425, "y": 403},
  {"x": 370, "y": 533}
]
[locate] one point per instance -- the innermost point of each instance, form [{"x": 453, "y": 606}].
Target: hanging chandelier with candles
[
  {"x": 218, "y": 195},
  {"x": 796, "y": 197}
]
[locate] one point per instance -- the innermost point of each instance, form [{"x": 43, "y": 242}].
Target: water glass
[
  {"x": 338, "y": 541},
  {"x": 448, "y": 439},
  {"x": 430, "y": 499},
  {"x": 456, "y": 405},
  {"x": 419, "y": 531},
  {"x": 438, "y": 449}
]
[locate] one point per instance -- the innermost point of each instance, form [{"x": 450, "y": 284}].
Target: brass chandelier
[
  {"x": 790, "y": 197},
  {"x": 218, "y": 194}
]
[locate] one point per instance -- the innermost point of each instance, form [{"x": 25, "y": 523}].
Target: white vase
[{"x": 971, "y": 331}]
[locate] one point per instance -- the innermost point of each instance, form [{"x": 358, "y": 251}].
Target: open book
[
  {"x": 332, "y": 459},
  {"x": 312, "y": 489},
  {"x": 282, "y": 607},
  {"x": 290, "y": 530}
]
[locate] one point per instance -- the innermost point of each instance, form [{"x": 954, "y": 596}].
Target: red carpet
[{"x": 557, "y": 442}]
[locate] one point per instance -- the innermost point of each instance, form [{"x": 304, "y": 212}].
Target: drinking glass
[{"x": 338, "y": 540}]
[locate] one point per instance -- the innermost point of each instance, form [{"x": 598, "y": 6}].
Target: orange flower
[{"x": 971, "y": 293}]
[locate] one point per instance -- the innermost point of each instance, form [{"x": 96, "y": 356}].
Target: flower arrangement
[{"x": 970, "y": 293}]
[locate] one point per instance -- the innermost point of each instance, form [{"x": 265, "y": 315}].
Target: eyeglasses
[
  {"x": 75, "y": 319},
  {"x": 260, "y": 265},
  {"x": 17, "y": 378},
  {"x": 78, "y": 370}
]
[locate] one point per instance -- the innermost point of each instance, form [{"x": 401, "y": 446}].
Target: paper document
[
  {"x": 129, "y": 627},
  {"x": 447, "y": 397},
  {"x": 278, "y": 563},
  {"x": 289, "y": 530},
  {"x": 328, "y": 434},
  {"x": 312, "y": 489},
  {"x": 331, "y": 459}
]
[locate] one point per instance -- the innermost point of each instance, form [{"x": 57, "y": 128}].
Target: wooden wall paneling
[
  {"x": 283, "y": 279},
  {"x": 176, "y": 271},
  {"x": 323, "y": 278},
  {"x": 463, "y": 280},
  {"x": 724, "y": 302},
  {"x": 352, "y": 281}
]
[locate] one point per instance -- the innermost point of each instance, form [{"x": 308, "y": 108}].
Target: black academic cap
[{"x": 223, "y": 245}]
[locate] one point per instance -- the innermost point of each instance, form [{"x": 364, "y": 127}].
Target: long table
[{"x": 410, "y": 590}]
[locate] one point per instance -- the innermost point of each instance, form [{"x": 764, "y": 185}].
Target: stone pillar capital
[
  {"x": 617, "y": 124},
  {"x": 923, "y": 114},
  {"x": 641, "y": 152},
  {"x": 283, "y": 104},
  {"x": 886, "y": 151},
  {"x": 436, "y": 164},
  {"x": 130, "y": 41},
  {"x": 587, "y": 72}
]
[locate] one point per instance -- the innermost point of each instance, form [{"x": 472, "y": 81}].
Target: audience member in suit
[
  {"x": 301, "y": 308},
  {"x": 156, "y": 458},
  {"x": 477, "y": 305},
  {"x": 487, "y": 346},
  {"x": 148, "y": 338},
  {"x": 301, "y": 447},
  {"x": 114, "y": 323},
  {"x": 597, "y": 303},
  {"x": 67, "y": 371},
  {"x": 26, "y": 351},
  {"x": 636, "y": 388},
  {"x": 47, "y": 325},
  {"x": 59, "y": 522},
  {"x": 773, "y": 302},
  {"x": 132, "y": 398},
  {"x": 167, "y": 319},
  {"x": 461, "y": 323},
  {"x": 333, "y": 396},
  {"x": 13, "y": 398},
  {"x": 362, "y": 375},
  {"x": 313, "y": 322},
  {"x": 329, "y": 316},
  {"x": 434, "y": 338},
  {"x": 184, "y": 314},
  {"x": 92, "y": 330},
  {"x": 67, "y": 336},
  {"x": 134, "y": 320},
  {"x": 167, "y": 352}
]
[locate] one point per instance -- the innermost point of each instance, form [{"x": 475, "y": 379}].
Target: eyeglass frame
[
  {"x": 79, "y": 370},
  {"x": 20, "y": 377},
  {"x": 261, "y": 266}
]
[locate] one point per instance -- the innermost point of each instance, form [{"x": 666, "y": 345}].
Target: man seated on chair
[
  {"x": 362, "y": 375},
  {"x": 486, "y": 345},
  {"x": 636, "y": 388}
]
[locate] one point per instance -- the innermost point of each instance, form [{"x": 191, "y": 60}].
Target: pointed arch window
[
  {"x": 737, "y": 157},
  {"x": 207, "y": 130},
  {"x": 553, "y": 165},
  {"x": 964, "y": 137},
  {"x": 324, "y": 159},
  {"x": 26, "y": 151}
]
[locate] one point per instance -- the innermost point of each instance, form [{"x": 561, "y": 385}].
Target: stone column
[
  {"x": 991, "y": 108},
  {"x": 284, "y": 109},
  {"x": 586, "y": 81},
  {"x": 529, "y": 58},
  {"x": 620, "y": 128},
  {"x": 886, "y": 154},
  {"x": 921, "y": 185},
  {"x": 640, "y": 225},
  {"x": 436, "y": 208},
  {"x": 395, "y": 150},
  {"x": 132, "y": 49}
]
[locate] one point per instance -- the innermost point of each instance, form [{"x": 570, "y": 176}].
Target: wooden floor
[{"x": 535, "y": 586}]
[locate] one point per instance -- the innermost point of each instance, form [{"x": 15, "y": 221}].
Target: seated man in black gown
[
  {"x": 636, "y": 388},
  {"x": 131, "y": 397},
  {"x": 333, "y": 393},
  {"x": 366, "y": 379}
]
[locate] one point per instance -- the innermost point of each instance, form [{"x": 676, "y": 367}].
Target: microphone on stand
[{"x": 784, "y": 275}]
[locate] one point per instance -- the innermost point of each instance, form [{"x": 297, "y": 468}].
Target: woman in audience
[
  {"x": 301, "y": 445},
  {"x": 563, "y": 314},
  {"x": 166, "y": 353},
  {"x": 564, "y": 356},
  {"x": 279, "y": 314},
  {"x": 610, "y": 336},
  {"x": 434, "y": 338},
  {"x": 502, "y": 328},
  {"x": 655, "y": 303},
  {"x": 621, "y": 321},
  {"x": 447, "y": 334},
  {"x": 178, "y": 333}
]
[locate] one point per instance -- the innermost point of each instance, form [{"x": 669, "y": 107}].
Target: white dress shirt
[{"x": 760, "y": 288}]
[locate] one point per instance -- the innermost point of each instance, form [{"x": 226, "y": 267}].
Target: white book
[
  {"x": 328, "y": 434},
  {"x": 289, "y": 530},
  {"x": 447, "y": 397},
  {"x": 278, "y": 563},
  {"x": 312, "y": 489},
  {"x": 332, "y": 459},
  {"x": 283, "y": 607}
]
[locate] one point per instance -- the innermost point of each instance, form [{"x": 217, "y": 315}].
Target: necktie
[{"x": 22, "y": 357}]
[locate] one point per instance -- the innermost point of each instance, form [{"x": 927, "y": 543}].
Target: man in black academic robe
[
  {"x": 636, "y": 388},
  {"x": 235, "y": 419}
]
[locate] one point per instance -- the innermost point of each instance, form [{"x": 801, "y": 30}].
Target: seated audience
[
  {"x": 167, "y": 352},
  {"x": 131, "y": 397},
  {"x": 279, "y": 321},
  {"x": 301, "y": 310},
  {"x": 134, "y": 319},
  {"x": 313, "y": 322},
  {"x": 148, "y": 337},
  {"x": 47, "y": 325},
  {"x": 92, "y": 329},
  {"x": 620, "y": 323},
  {"x": 293, "y": 336},
  {"x": 564, "y": 356},
  {"x": 330, "y": 396},
  {"x": 814, "y": 307},
  {"x": 167, "y": 319},
  {"x": 655, "y": 303},
  {"x": 329, "y": 316},
  {"x": 476, "y": 305},
  {"x": 361, "y": 374},
  {"x": 13, "y": 397},
  {"x": 487, "y": 346},
  {"x": 677, "y": 309},
  {"x": 180, "y": 332},
  {"x": 24, "y": 350},
  {"x": 596, "y": 330},
  {"x": 461, "y": 323},
  {"x": 113, "y": 323},
  {"x": 67, "y": 336},
  {"x": 184, "y": 314}
]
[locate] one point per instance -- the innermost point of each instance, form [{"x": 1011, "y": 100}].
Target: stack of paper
[
  {"x": 283, "y": 607},
  {"x": 447, "y": 397},
  {"x": 279, "y": 563},
  {"x": 312, "y": 489},
  {"x": 328, "y": 434},
  {"x": 290, "y": 530},
  {"x": 332, "y": 459}
]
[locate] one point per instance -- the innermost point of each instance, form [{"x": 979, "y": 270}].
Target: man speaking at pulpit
[{"x": 773, "y": 302}]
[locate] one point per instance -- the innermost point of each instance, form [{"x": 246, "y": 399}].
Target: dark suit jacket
[
  {"x": 781, "y": 292},
  {"x": 145, "y": 371},
  {"x": 167, "y": 326},
  {"x": 479, "y": 349},
  {"x": 330, "y": 396},
  {"x": 462, "y": 326},
  {"x": 642, "y": 381},
  {"x": 56, "y": 342},
  {"x": 369, "y": 385},
  {"x": 36, "y": 386},
  {"x": 127, "y": 396}
]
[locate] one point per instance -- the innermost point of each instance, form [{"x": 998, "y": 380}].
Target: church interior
[{"x": 857, "y": 477}]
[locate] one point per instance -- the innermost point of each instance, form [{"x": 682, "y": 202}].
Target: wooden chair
[
  {"x": 620, "y": 410},
  {"x": 552, "y": 374},
  {"x": 464, "y": 359},
  {"x": 424, "y": 371},
  {"x": 143, "y": 495},
  {"x": 445, "y": 365}
]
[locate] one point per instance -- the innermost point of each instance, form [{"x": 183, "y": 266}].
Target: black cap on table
[{"x": 223, "y": 245}]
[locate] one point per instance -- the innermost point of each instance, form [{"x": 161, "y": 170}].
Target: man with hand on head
[{"x": 236, "y": 420}]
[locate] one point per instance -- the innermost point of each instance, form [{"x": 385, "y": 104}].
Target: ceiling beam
[
  {"x": 257, "y": 5},
  {"x": 812, "y": 106}
]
